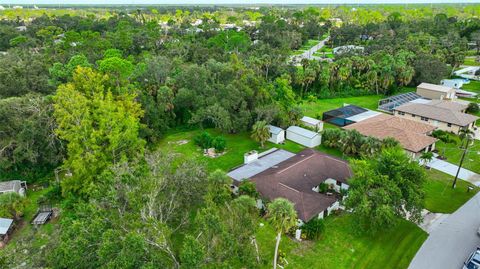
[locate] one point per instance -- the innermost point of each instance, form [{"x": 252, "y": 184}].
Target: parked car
[{"x": 473, "y": 261}]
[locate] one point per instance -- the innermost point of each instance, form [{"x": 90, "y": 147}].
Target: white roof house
[
  {"x": 13, "y": 186},
  {"x": 313, "y": 123},
  {"x": 303, "y": 136},
  {"x": 277, "y": 134},
  {"x": 5, "y": 225}
]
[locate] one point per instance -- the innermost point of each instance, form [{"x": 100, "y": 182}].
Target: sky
[{"x": 193, "y": 2}]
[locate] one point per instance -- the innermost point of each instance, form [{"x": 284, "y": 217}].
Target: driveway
[
  {"x": 308, "y": 54},
  {"x": 451, "y": 169},
  {"x": 452, "y": 240}
]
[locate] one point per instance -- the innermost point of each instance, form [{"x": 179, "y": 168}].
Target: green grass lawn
[
  {"x": 310, "y": 43},
  {"x": 454, "y": 153},
  {"x": 471, "y": 61},
  {"x": 473, "y": 86},
  {"x": 439, "y": 195},
  {"x": 340, "y": 246},
  {"x": 314, "y": 109}
]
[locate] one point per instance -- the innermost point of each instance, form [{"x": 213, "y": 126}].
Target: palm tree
[
  {"x": 260, "y": 132},
  {"x": 466, "y": 135},
  {"x": 369, "y": 146},
  {"x": 351, "y": 142},
  {"x": 426, "y": 157},
  {"x": 283, "y": 217}
]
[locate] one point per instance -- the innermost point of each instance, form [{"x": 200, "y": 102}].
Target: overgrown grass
[
  {"x": 439, "y": 195},
  {"x": 341, "y": 247}
]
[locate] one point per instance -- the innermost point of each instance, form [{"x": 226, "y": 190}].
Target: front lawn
[
  {"x": 453, "y": 154},
  {"x": 439, "y": 195},
  {"x": 341, "y": 247}
]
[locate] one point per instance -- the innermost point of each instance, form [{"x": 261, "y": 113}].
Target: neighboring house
[
  {"x": 412, "y": 135},
  {"x": 348, "y": 49},
  {"x": 6, "y": 226},
  {"x": 348, "y": 114},
  {"x": 452, "y": 83},
  {"x": 303, "y": 136},
  {"x": 315, "y": 124},
  {"x": 298, "y": 179},
  {"x": 446, "y": 115},
  {"x": 22, "y": 28},
  {"x": 436, "y": 92},
  {"x": 17, "y": 186},
  {"x": 277, "y": 134}
]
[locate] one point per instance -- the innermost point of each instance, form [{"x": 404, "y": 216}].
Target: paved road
[
  {"x": 308, "y": 54},
  {"x": 451, "y": 169},
  {"x": 450, "y": 243}
]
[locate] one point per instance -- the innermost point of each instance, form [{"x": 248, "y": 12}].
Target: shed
[
  {"x": 303, "y": 136},
  {"x": 312, "y": 123},
  {"x": 13, "y": 186},
  {"x": 5, "y": 226},
  {"x": 433, "y": 91},
  {"x": 277, "y": 134}
]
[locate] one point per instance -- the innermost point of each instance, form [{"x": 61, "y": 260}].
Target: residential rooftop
[
  {"x": 434, "y": 87},
  {"x": 440, "y": 113}
]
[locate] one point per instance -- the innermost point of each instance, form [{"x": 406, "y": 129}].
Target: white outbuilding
[
  {"x": 303, "y": 136},
  {"x": 277, "y": 134},
  {"x": 317, "y": 125}
]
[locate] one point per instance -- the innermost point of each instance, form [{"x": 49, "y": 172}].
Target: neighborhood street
[
  {"x": 308, "y": 54},
  {"x": 452, "y": 240}
]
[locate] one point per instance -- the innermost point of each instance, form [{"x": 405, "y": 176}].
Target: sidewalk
[{"x": 451, "y": 169}]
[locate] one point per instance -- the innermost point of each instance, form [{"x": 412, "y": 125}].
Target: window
[
  {"x": 413, "y": 116},
  {"x": 401, "y": 113},
  {"x": 449, "y": 124},
  {"x": 424, "y": 119}
]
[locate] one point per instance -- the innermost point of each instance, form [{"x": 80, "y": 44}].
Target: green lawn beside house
[
  {"x": 341, "y": 247},
  {"x": 453, "y": 154},
  {"x": 439, "y": 195},
  {"x": 471, "y": 61},
  {"x": 316, "y": 108}
]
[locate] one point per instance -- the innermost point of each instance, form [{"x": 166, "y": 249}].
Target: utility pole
[{"x": 461, "y": 160}]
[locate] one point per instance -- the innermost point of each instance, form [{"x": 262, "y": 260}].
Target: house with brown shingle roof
[
  {"x": 413, "y": 136},
  {"x": 298, "y": 178},
  {"x": 445, "y": 115}
]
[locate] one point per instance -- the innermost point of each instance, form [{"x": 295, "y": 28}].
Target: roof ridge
[{"x": 294, "y": 164}]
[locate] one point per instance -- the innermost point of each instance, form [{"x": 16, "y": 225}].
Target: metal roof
[
  {"x": 10, "y": 185},
  {"x": 5, "y": 225},
  {"x": 390, "y": 103},
  {"x": 302, "y": 131},
  {"x": 311, "y": 121},
  {"x": 274, "y": 129}
]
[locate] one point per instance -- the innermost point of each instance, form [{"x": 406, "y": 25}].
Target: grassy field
[
  {"x": 471, "y": 61},
  {"x": 439, "y": 195},
  {"x": 316, "y": 109},
  {"x": 473, "y": 86},
  {"x": 341, "y": 246},
  {"x": 454, "y": 154}
]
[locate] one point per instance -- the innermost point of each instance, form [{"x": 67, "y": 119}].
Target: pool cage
[
  {"x": 339, "y": 116},
  {"x": 390, "y": 103}
]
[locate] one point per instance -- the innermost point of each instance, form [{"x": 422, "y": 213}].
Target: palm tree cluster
[{"x": 352, "y": 143}]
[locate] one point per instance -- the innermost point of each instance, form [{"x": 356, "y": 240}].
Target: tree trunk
[
  {"x": 279, "y": 236},
  {"x": 254, "y": 241}
]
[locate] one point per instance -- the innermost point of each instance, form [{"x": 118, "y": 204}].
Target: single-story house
[
  {"x": 446, "y": 115},
  {"x": 348, "y": 114},
  {"x": 277, "y": 134},
  {"x": 6, "y": 226},
  {"x": 317, "y": 125},
  {"x": 298, "y": 179},
  {"x": 17, "y": 186},
  {"x": 436, "y": 92},
  {"x": 304, "y": 137},
  {"x": 413, "y": 136}
]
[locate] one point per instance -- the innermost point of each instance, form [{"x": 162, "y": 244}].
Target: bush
[
  {"x": 473, "y": 108},
  {"x": 331, "y": 137},
  {"x": 219, "y": 143},
  {"x": 314, "y": 228},
  {"x": 203, "y": 140},
  {"x": 323, "y": 187},
  {"x": 248, "y": 188}
]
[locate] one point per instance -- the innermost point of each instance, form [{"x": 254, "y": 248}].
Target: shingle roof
[
  {"x": 5, "y": 225},
  {"x": 302, "y": 131},
  {"x": 435, "y": 87},
  {"x": 451, "y": 105},
  {"x": 438, "y": 113},
  {"x": 274, "y": 129},
  {"x": 295, "y": 178},
  {"x": 411, "y": 134}
]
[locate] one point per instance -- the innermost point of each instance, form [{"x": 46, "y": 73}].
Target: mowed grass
[
  {"x": 453, "y": 153},
  {"x": 316, "y": 108},
  {"x": 439, "y": 195},
  {"x": 342, "y": 247},
  {"x": 473, "y": 86},
  {"x": 471, "y": 61}
]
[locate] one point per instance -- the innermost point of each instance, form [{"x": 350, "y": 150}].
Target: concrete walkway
[
  {"x": 451, "y": 169},
  {"x": 452, "y": 240},
  {"x": 431, "y": 220}
]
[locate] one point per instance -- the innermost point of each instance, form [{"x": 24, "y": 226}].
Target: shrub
[
  {"x": 219, "y": 143},
  {"x": 473, "y": 108},
  {"x": 323, "y": 187},
  {"x": 248, "y": 188},
  {"x": 314, "y": 228},
  {"x": 203, "y": 140},
  {"x": 331, "y": 137}
]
